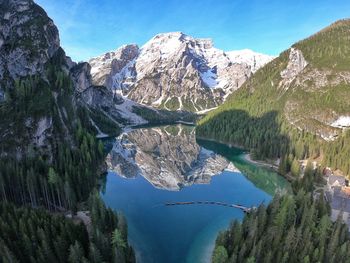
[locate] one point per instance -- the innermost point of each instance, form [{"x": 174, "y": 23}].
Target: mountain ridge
[{"x": 173, "y": 71}]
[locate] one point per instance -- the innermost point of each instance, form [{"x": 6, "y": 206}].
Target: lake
[{"x": 149, "y": 167}]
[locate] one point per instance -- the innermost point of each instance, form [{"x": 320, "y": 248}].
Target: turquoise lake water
[{"x": 172, "y": 234}]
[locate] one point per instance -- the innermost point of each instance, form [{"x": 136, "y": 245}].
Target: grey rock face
[
  {"x": 105, "y": 68},
  {"x": 114, "y": 107},
  {"x": 44, "y": 126},
  {"x": 169, "y": 158},
  {"x": 172, "y": 71},
  {"x": 81, "y": 76},
  {"x": 28, "y": 38},
  {"x": 296, "y": 64},
  {"x": 97, "y": 96}
]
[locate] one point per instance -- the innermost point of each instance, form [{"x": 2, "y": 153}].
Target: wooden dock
[{"x": 241, "y": 207}]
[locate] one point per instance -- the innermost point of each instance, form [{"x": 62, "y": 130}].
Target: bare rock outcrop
[
  {"x": 106, "y": 67},
  {"x": 81, "y": 76},
  {"x": 28, "y": 39},
  {"x": 296, "y": 64}
]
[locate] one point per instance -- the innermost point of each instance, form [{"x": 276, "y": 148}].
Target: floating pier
[{"x": 241, "y": 207}]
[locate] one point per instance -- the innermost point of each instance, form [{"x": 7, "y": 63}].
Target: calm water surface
[{"x": 151, "y": 166}]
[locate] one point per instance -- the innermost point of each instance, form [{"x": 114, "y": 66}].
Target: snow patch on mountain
[
  {"x": 175, "y": 65},
  {"x": 253, "y": 59},
  {"x": 163, "y": 45},
  {"x": 126, "y": 74}
]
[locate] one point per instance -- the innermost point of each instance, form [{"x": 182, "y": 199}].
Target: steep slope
[
  {"x": 30, "y": 53},
  {"x": 108, "y": 109},
  {"x": 295, "y": 105},
  {"x": 49, "y": 157},
  {"x": 28, "y": 39},
  {"x": 173, "y": 71}
]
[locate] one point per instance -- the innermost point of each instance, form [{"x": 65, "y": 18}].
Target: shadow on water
[{"x": 262, "y": 177}]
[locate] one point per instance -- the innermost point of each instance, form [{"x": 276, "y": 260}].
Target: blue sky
[{"x": 91, "y": 27}]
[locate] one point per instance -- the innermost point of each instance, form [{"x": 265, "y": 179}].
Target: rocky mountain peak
[
  {"x": 28, "y": 38},
  {"x": 169, "y": 42},
  {"x": 173, "y": 71}
]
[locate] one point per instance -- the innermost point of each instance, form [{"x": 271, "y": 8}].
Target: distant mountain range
[{"x": 175, "y": 71}]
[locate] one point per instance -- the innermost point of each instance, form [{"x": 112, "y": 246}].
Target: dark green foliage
[
  {"x": 34, "y": 235},
  {"x": 59, "y": 184},
  {"x": 109, "y": 233},
  {"x": 164, "y": 116},
  {"x": 220, "y": 255},
  {"x": 237, "y": 127},
  {"x": 58, "y": 174},
  {"x": 329, "y": 47},
  {"x": 291, "y": 229},
  {"x": 172, "y": 104},
  {"x": 105, "y": 124},
  {"x": 49, "y": 158},
  {"x": 188, "y": 104},
  {"x": 61, "y": 171},
  {"x": 308, "y": 180}
]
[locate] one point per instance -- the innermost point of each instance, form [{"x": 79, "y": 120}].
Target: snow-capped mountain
[
  {"x": 173, "y": 71},
  {"x": 253, "y": 59}
]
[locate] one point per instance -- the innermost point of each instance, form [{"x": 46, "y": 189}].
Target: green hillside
[
  {"x": 292, "y": 228},
  {"x": 35, "y": 235},
  {"x": 276, "y": 118}
]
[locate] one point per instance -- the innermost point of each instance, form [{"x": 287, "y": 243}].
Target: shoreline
[
  {"x": 246, "y": 156},
  {"x": 246, "y": 153},
  {"x": 274, "y": 167}
]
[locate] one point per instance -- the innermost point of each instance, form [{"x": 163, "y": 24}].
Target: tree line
[
  {"x": 35, "y": 235},
  {"x": 39, "y": 183},
  {"x": 292, "y": 228}
]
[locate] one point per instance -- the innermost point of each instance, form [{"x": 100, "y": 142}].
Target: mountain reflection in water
[{"x": 168, "y": 157}]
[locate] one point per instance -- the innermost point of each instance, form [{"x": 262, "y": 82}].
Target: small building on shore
[{"x": 335, "y": 182}]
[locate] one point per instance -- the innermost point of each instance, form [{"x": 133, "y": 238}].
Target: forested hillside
[
  {"x": 56, "y": 173},
  {"x": 34, "y": 235},
  {"x": 290, "y": 107},
  {"x": 291, "y": 229},
  {"x": 50, "y": 160}
]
